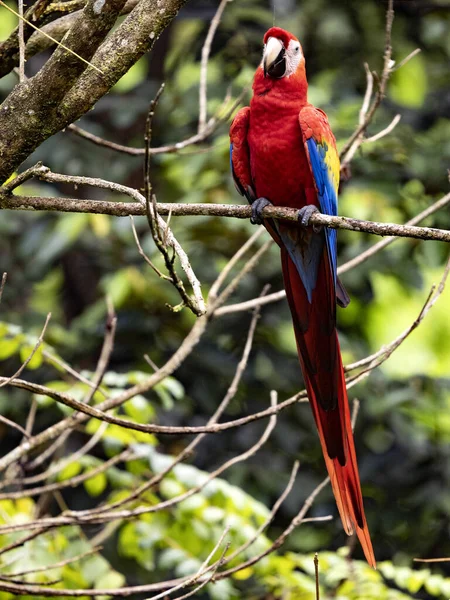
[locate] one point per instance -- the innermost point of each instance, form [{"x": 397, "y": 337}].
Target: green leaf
[
  {"x": 112, "y": 580},
  {"x": 409, "y": 84},
  {"x": 70, "y": 471},
  {"x": 9, "y": 347},
  {"x": 140, "y": 409},
  {"x": 96, "y": 485}
]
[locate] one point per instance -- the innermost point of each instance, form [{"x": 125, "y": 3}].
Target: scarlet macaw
[{"x": 283, "y": 152}]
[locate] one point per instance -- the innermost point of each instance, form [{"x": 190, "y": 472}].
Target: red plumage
[{"x": 271, "y": 155}]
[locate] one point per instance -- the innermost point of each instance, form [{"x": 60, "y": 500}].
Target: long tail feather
[{"x": 320, "y": 359}]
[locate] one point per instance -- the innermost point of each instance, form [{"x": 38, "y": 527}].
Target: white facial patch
[{"x": 293, "y": 57}]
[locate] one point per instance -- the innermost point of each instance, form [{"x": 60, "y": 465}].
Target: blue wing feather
[
  {"x": 326, "y": 192},
  {"x": 307, "y": 257}
]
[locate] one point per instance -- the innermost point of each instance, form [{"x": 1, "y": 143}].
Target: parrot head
[{"x": 282, "y": 54}]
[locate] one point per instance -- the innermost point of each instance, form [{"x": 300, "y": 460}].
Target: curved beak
[{"x": 274, "y": 58}]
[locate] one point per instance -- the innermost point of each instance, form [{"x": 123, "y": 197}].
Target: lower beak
[{"x": 274, "y": 58}]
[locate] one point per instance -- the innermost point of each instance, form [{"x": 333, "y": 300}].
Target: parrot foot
[
  {"x": 304, "y": 215},
  {"x": 257, "y": 207}
]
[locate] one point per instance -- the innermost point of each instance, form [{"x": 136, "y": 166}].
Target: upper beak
[{"x": 274, "y": 62}]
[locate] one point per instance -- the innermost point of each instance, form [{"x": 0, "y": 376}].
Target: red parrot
[{"x": 284, "y": 153}]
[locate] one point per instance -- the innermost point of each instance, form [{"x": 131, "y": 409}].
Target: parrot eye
[{"x": 296, "y": 48}]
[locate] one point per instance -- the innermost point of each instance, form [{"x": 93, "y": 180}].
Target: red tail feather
[{"x": 320, "y": 359}]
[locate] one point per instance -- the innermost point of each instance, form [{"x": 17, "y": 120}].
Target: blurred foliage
[{"x": 67, "y": 263}]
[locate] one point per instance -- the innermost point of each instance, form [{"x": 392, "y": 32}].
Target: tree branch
[
  {"x": 121, "y": 209},
  {"x": 27, "y": 114},
  {"x": 35, "y": 110}
]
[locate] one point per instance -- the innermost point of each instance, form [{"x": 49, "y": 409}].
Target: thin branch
[
  {"x": 271, "y": 516},
  {"x": 363, "y": 256},
  {"x": 217, "y": 210},
  {"x": 3, "y": 281},
  {"x": 105, "y": 354},
  {"x": 56, "y": 360},
  {"x": 21, "y": 43},
  {"x": 196, "y": 303},
  {"x": 59, "y": 465},
  {"x": 204, "y": 65},
  {"x": 211, "y": 126},
  {"x": 184, "y": 350},
  {"x": 72, "y": 481},
  {"x": 61, "y": 563},
  {"x": 368, "y": 112},
  {"x": 432, "y": 560},
  {"x": 406, "y": 59},
  {"x": 87, "y": 517},
  {"x": 384, "y": 131},
  {"x": 143, "y": 254},
  {"x": 21, "y": 541},
  {"x": 230, "y": 394},
  {"x": 247, "y": 268},
  {"x": 32, "y": 353},
  {"x": 201, "y": 571},
  {"x": 316, "y": 574},
  {"x": 14, "y": 425},
  {"x": 231, "y": 263},
  {"x": 375, "y": 361}
]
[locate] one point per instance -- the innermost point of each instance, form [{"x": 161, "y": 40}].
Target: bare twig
[
  {"x": 271, "y": 516},
  {"x": 142, "y": 253},
  {"x": 59, "y": 465},
  {"x": 2, "y": 284},
  {"x": 373, "y": 361},
  {"x": 368, "y": 112},
  {"x": 61, "y": 563},
  {"x": 231, "y": 263},
  {"x": 204, "y": 568},
  {"x": 107, "y": 348},
  {"x": 196, "y": 303},
  {"x": 231, "y": 392},
  {"x": 14, "y": 425},
  {"x": 406, "y": 59},
  {"x": 21, "y": 541},
  {"x": 57, "y": 429},
  {"x": 384, "y": 131},
  {"x": 247, "y": 268},
  {"x": 368, "y": 108},
  {"x": 21, "y": 42},
  {"x": 32, "y": 353},
  {"x": 204, "y": 66},
  {"x": 432, "y": 560},
  {"x": 56, "y": 360},
  {"x": 72, "y": 481},
  {"x": 211, "y": 126},
  {"x": 316, "y": 574},
  {"x": 86, "y": 517}
]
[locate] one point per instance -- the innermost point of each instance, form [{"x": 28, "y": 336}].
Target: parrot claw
[
  {"x": 304, "y": 215},
  {"x": 257, "y": 207}
]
